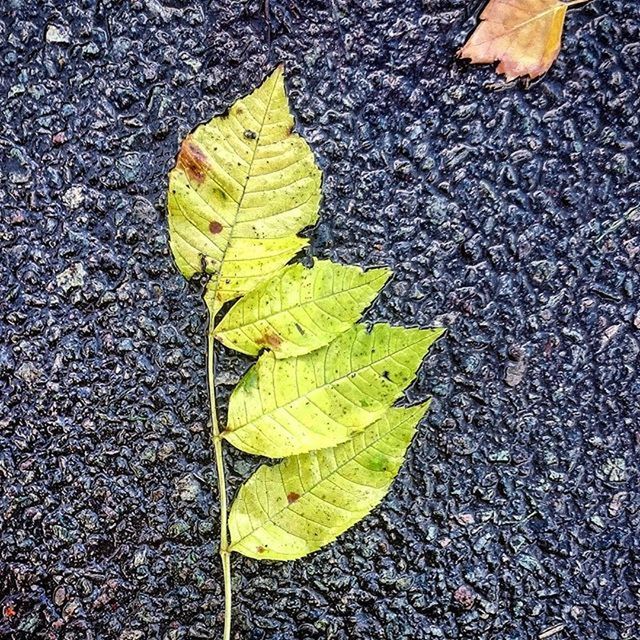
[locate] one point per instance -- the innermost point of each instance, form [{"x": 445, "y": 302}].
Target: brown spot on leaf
[
  {"x": 193, "y": 160},
  {"x": 251, "y": 135},
  {"x": 292, "y": 497},
  {"x": 215, "y": 227},
  {"x": 260, "y": 549},
  {"x": 270, "y": 340}
]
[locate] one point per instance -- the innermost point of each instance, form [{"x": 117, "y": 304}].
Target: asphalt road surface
[{"x": 507, "y": 214}]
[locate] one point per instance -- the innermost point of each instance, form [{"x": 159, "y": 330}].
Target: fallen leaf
[
  {"x": 293, "y": 508},
  {"x": 289, "y": 406},
  {"x": 244, "y": 185},
  {"x": 321, "y": 394},
  {"x": 300, "y": 310},
  {"x": 523, "y": 35}
]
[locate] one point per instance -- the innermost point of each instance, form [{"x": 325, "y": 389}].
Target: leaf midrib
[{"x": 244, "y": 191}]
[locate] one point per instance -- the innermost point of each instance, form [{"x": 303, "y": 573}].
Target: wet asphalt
[{"x": 507, "y": 214}]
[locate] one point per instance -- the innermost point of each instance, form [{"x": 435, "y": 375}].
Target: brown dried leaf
[{"x": 523, "y": 35}]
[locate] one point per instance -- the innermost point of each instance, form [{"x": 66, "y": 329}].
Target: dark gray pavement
[{"x": 502, "y": 212}]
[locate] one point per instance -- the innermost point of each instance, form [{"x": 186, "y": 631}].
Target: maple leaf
[{"x": 523, "y": 35}]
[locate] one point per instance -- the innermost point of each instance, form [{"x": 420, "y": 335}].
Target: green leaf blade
[
  {"x": 244, "y": 185},
  {"x": 299, "y": 310},
  {"x": 297, "y": 506},
  {"x": 289, "y": 406}
]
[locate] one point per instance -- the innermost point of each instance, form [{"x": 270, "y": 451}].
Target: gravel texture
[{"x": 506, "y": 215}]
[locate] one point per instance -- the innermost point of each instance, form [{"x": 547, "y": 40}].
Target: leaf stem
[
  {"x": 574, "y": 3},
  {"x": 225, "y": 554}
]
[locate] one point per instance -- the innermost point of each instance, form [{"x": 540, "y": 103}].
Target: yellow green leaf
[
  {"x": 243, "y": 186},
  {"x": 299, "y": 310},
  {"x": 293, "y": 508},
  {"x": 283, "y": 407}
]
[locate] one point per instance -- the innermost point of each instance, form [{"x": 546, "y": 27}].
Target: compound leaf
[
  {"x": 299, "y": 310},
  {"x": 283, "y": 407},
  {"x": 524, "y": 35},
  {"x": 243, "y": 186},
  {"x": 296, "y": 507}
]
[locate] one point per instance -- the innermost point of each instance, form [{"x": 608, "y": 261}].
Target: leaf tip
[
  {"x": 422, "y": 408},
  {"x": 430, "y": 335},
  {"x": 382, "y": 273},
  {"x": 460, "y": 53},
  {"x": 277, "y": 76},
  {"x": 439, "y": 331}
]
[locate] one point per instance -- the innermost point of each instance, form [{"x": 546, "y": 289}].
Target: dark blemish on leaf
[
  {"x": 271, "y": 340},
  {"x": 215, "y": 227},
  {"x": 385, "y": 375},
  {"x": 193, "y": 160},
  {"x": 251, "y": 135},
  {"x": 292, "y": 497},
  {"x": 300, "y": 329},
  {"x": 260, "y": 549}
]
